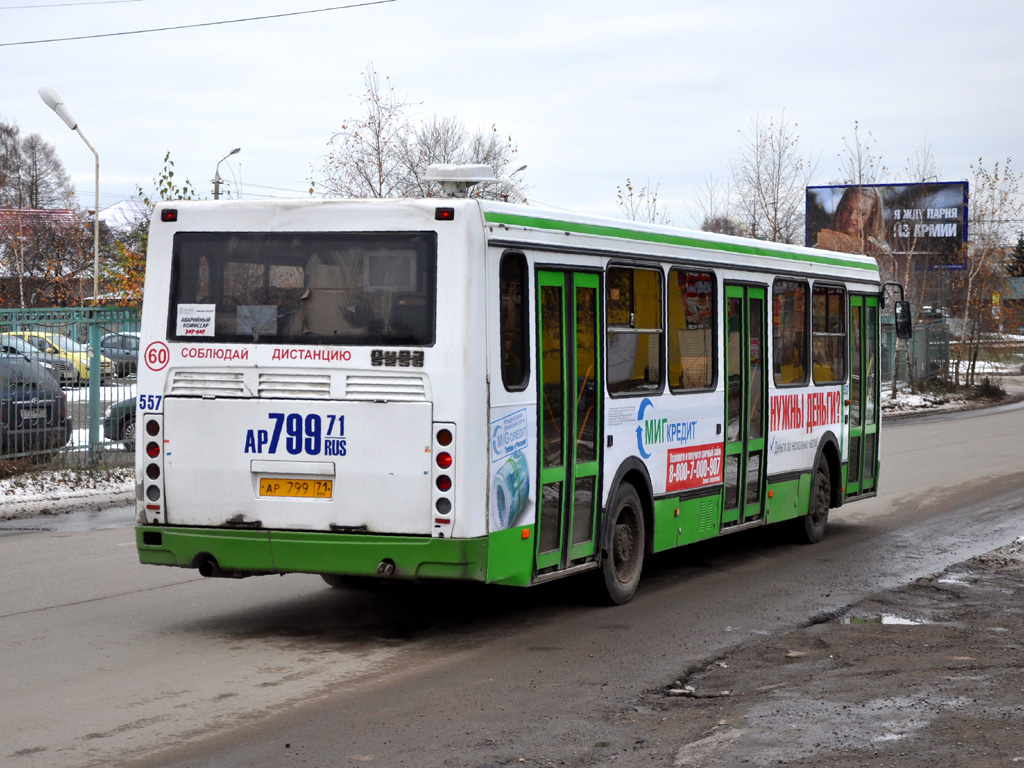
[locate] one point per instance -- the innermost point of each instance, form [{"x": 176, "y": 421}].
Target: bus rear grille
[
  {"x": 300, "y": 385},
  {"x": 208, "y": 384},
  {"x": 385, "y": 388}
]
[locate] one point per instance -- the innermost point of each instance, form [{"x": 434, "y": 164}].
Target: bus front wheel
[
  {"x": 623, "y": 556},
  {"x": 811, "y": 529}
]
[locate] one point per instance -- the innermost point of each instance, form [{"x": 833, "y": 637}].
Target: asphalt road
[{"x": 108, "y": 662}]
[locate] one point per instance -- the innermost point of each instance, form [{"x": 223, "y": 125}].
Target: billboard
[{"x": 891, "y": 219}]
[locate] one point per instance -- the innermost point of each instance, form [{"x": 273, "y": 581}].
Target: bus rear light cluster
[
  {"x": 153, "y": 465},
  {"x": 443, "y": 451}
]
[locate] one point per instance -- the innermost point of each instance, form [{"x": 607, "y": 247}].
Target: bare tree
[
  {"x": 385, "y": 152},
  {"x": 641, "y": 204},
  {"x": 859, "y": 164},
  {"x": 921, "y": 167},
  {"x": 995, "y": 209},
  {"x": 900, "y": 259},
  {"x": 769, "y": 178},
  {"x": 370, "y": 155},
  {"x": 714, "y": 209},
  {"x": 489, "y": 147}
]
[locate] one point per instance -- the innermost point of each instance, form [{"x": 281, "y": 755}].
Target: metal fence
[
  {"x": 929, "y": 352},
  {"x": 67, "y": 384}
]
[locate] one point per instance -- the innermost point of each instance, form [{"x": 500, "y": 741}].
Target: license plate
[
  {"x": 33, "y": 413},
  {"x": 296, "y": 488}
]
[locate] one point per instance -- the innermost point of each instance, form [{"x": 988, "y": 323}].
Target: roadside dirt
[{"x": 923, "y": 676}]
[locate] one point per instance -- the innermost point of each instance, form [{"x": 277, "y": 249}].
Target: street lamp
[
  {"x": 53, "y": 100},
  {"x": 216, "y": 175}
]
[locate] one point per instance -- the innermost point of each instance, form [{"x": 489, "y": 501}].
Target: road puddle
[{"x": 882, "y": 618}]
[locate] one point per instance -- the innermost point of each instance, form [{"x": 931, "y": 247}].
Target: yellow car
[{"x": 78, "y": 354}]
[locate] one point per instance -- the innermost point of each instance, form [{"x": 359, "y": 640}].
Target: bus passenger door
[
  {"x": 570, "y": 407},
  {"x": 744, "y": 404},
  {"x": 862, "y": 458}
]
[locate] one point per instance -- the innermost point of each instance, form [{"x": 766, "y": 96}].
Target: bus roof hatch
[{"x": 456, "y": 180}]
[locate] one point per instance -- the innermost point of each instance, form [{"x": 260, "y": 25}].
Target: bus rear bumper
[{"x": 249, "y": 553}]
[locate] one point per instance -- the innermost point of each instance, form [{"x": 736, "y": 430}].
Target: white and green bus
[{"x": 454, "y": 388}]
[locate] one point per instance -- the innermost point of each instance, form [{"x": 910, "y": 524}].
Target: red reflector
[
  {"x": 169, "y": 214},
  {"x": 441, "y": 520},
  {"x": 152, "y": 450},
  {"x": 444, "y": 460},
  {"x": 444, "y": 214},
  {"x": 444, "y": 483},
  {"x": 153, "y": 506}
]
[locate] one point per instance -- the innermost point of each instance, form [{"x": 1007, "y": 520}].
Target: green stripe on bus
[{"x": 658, "y": 237}]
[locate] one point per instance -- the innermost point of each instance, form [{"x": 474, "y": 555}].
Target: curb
[{"x": 65, "y": 505}]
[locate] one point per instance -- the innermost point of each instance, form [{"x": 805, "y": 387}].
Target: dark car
[
  {"x": 123, "y": 350},
  {"x": 119, "y": 423},
  {"x": 33, "y": 409},
  {"x": 60, "y": 368}
]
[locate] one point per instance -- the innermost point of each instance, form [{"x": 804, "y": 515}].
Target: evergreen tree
[
  {"x": 31, "y": 174},
  {"x": 1015, "y": 264}
]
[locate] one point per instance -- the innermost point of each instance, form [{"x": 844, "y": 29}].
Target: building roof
[
  {"x": 31, "y": 216},
  {"x": 124, "y": 215}
]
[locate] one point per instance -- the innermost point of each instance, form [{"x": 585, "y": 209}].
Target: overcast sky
[{"x": 591, "y": 91}]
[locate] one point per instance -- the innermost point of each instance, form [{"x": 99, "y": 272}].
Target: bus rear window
[{"x": 304, "y": 287}]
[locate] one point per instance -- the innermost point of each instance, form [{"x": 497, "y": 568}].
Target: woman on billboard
[{"x": 858, "y": 223}]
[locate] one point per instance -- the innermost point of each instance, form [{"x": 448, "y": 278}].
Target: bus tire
[
  {"x": 361, "y": 583},
  {"x": 336, "y": 580},
  {"x": 622, "y": 560},
  {"x": 812, "y": 525}
]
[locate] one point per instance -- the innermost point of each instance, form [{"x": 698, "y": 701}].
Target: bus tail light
[
  {"x": 152, "y": 438},
  {"x": 444, "y": 452}
]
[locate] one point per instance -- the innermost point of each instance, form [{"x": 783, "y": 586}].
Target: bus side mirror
[{"x": 904, "y": 323}]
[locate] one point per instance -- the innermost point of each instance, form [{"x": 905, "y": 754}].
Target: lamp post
[
  {"x": 216, "y": 175},
  {"x": 53, "y": 100}
]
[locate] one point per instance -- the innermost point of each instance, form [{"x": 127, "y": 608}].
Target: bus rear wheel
[
  {"x": 336, "y": 580},
  {"x": 623, "y": 558},
  {"x": 366, "y": 583},
  {"x": 811, "y": 527}
]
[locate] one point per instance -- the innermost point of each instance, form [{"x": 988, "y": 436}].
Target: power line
[
  {"x": 66, "y": 5},
  {"x": 195, "y": 26},
  {"x": 279, "y": 189}
]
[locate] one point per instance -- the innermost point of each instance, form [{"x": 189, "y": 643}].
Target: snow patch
[{"x": 51, "y": 492}]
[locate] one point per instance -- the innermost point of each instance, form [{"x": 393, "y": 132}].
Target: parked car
[
  {"x": 62, "y": 369},
  {"x": 123, "y": 349},
  {"x": 33, "y": 409},
  {"x": 69, "y": 349},
  {"x": 119, "y": 423}
]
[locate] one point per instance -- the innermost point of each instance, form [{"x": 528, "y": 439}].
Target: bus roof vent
[{"x": 456, "y": 180}]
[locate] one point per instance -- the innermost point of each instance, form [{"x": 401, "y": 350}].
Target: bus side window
[
  {"x": 634, "y": 330},
  {"x": 828, "y": 333},
  {"x": 512, "y": 279},
  {"x": 789, "y": 332},
  {"x": 691, "y": 341}
]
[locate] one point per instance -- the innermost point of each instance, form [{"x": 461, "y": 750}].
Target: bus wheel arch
[{"x": 828, "y": 450}]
